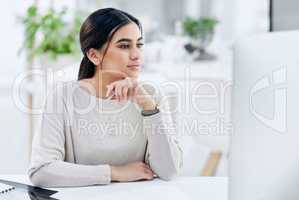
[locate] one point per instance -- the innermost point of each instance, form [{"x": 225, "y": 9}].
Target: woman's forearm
[
  {"x": 164, "y": 153},
  {"x": 64, "y": 174}
]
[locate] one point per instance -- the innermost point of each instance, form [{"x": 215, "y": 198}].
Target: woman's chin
[{"x": 133, "y": 74}]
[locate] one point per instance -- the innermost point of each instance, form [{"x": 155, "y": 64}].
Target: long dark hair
[{"x": 97, "y": 29}]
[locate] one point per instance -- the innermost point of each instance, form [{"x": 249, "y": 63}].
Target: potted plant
[
  {"x": 201, "y": 32},
  {"x": 49, "y": 37}
]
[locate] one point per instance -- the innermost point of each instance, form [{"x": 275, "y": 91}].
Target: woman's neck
[{"x": 100, "y": 81}]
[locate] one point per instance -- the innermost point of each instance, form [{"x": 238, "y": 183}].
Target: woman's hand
[
  {"x": 132, "y": 172},
  {"x": 129, "y": 89}
]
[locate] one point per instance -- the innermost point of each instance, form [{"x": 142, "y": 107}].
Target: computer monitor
[{"x": 264, "y": 152}]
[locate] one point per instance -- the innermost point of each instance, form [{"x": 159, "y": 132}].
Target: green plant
[
  {"x": 49, "y": 33},
  {"x": 201, "y": 27}
]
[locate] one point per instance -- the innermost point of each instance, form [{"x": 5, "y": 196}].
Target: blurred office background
[{"x": 167, "y": 57}]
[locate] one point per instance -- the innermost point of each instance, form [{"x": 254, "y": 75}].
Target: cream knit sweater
[{"x": 81, "y": 135}]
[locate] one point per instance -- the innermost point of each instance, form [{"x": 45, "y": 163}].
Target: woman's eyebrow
[{"x": 127, "y": 40}]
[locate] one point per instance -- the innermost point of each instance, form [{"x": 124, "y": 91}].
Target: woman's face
[{"x": 124, "y": 53}]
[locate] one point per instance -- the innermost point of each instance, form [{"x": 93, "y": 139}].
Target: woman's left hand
[{"x": 130, "y": 89}]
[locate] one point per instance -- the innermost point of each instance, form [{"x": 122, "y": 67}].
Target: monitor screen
[{"x": 284, "y": 15}]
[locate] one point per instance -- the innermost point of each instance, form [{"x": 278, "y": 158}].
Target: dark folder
[{"x": 34, "y": 192}]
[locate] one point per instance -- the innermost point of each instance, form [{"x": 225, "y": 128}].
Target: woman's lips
[{"x": 134, "y": 66}]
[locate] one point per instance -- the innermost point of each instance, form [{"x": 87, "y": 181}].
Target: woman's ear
[{"x": 94, "y": 56}]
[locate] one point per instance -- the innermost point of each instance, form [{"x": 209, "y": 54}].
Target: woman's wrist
[
  {"x": 149, "y": 105},
  {"x": 114, "y": 173},
  {"x": 145, "y": 101}
]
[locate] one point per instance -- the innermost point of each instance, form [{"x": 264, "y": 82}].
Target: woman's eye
[
  {"x": 124, "y": 46},
  {"x": 140, "y": 45},
  {"x": 127, "y": 46}
]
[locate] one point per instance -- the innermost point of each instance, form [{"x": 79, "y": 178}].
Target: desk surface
[{"x": 208, "y": 188}]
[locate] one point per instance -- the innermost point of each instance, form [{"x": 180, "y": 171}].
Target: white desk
[{"x": 207, "y": 188}]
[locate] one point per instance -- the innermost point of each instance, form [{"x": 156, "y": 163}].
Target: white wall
[
  {"x": 250, "y": 17},
  {"x": 13, "y": 123},
  {"x": 239, "y": 18}
]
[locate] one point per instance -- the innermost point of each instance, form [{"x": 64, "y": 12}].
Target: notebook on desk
[
  {"x": 5, "y": 188},
  {"x": 10, "y": 187}
]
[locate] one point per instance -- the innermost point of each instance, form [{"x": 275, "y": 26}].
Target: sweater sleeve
[
  {"x": 163, "y": 154},
  {"x": 47, "y": 166}
]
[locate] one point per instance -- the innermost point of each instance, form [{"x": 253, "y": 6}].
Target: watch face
[{"x": 150, "y": 112}]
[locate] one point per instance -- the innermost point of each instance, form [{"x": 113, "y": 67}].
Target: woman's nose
[{"x": 135, "y": 54}]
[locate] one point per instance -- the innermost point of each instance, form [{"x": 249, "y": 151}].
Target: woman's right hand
[{"x": 131, "y": 172}]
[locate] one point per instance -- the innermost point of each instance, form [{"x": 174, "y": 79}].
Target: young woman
[{"x": 105, "y": 126}]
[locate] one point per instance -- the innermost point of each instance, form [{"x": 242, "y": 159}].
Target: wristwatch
[{"x": 150, "y": 112}]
